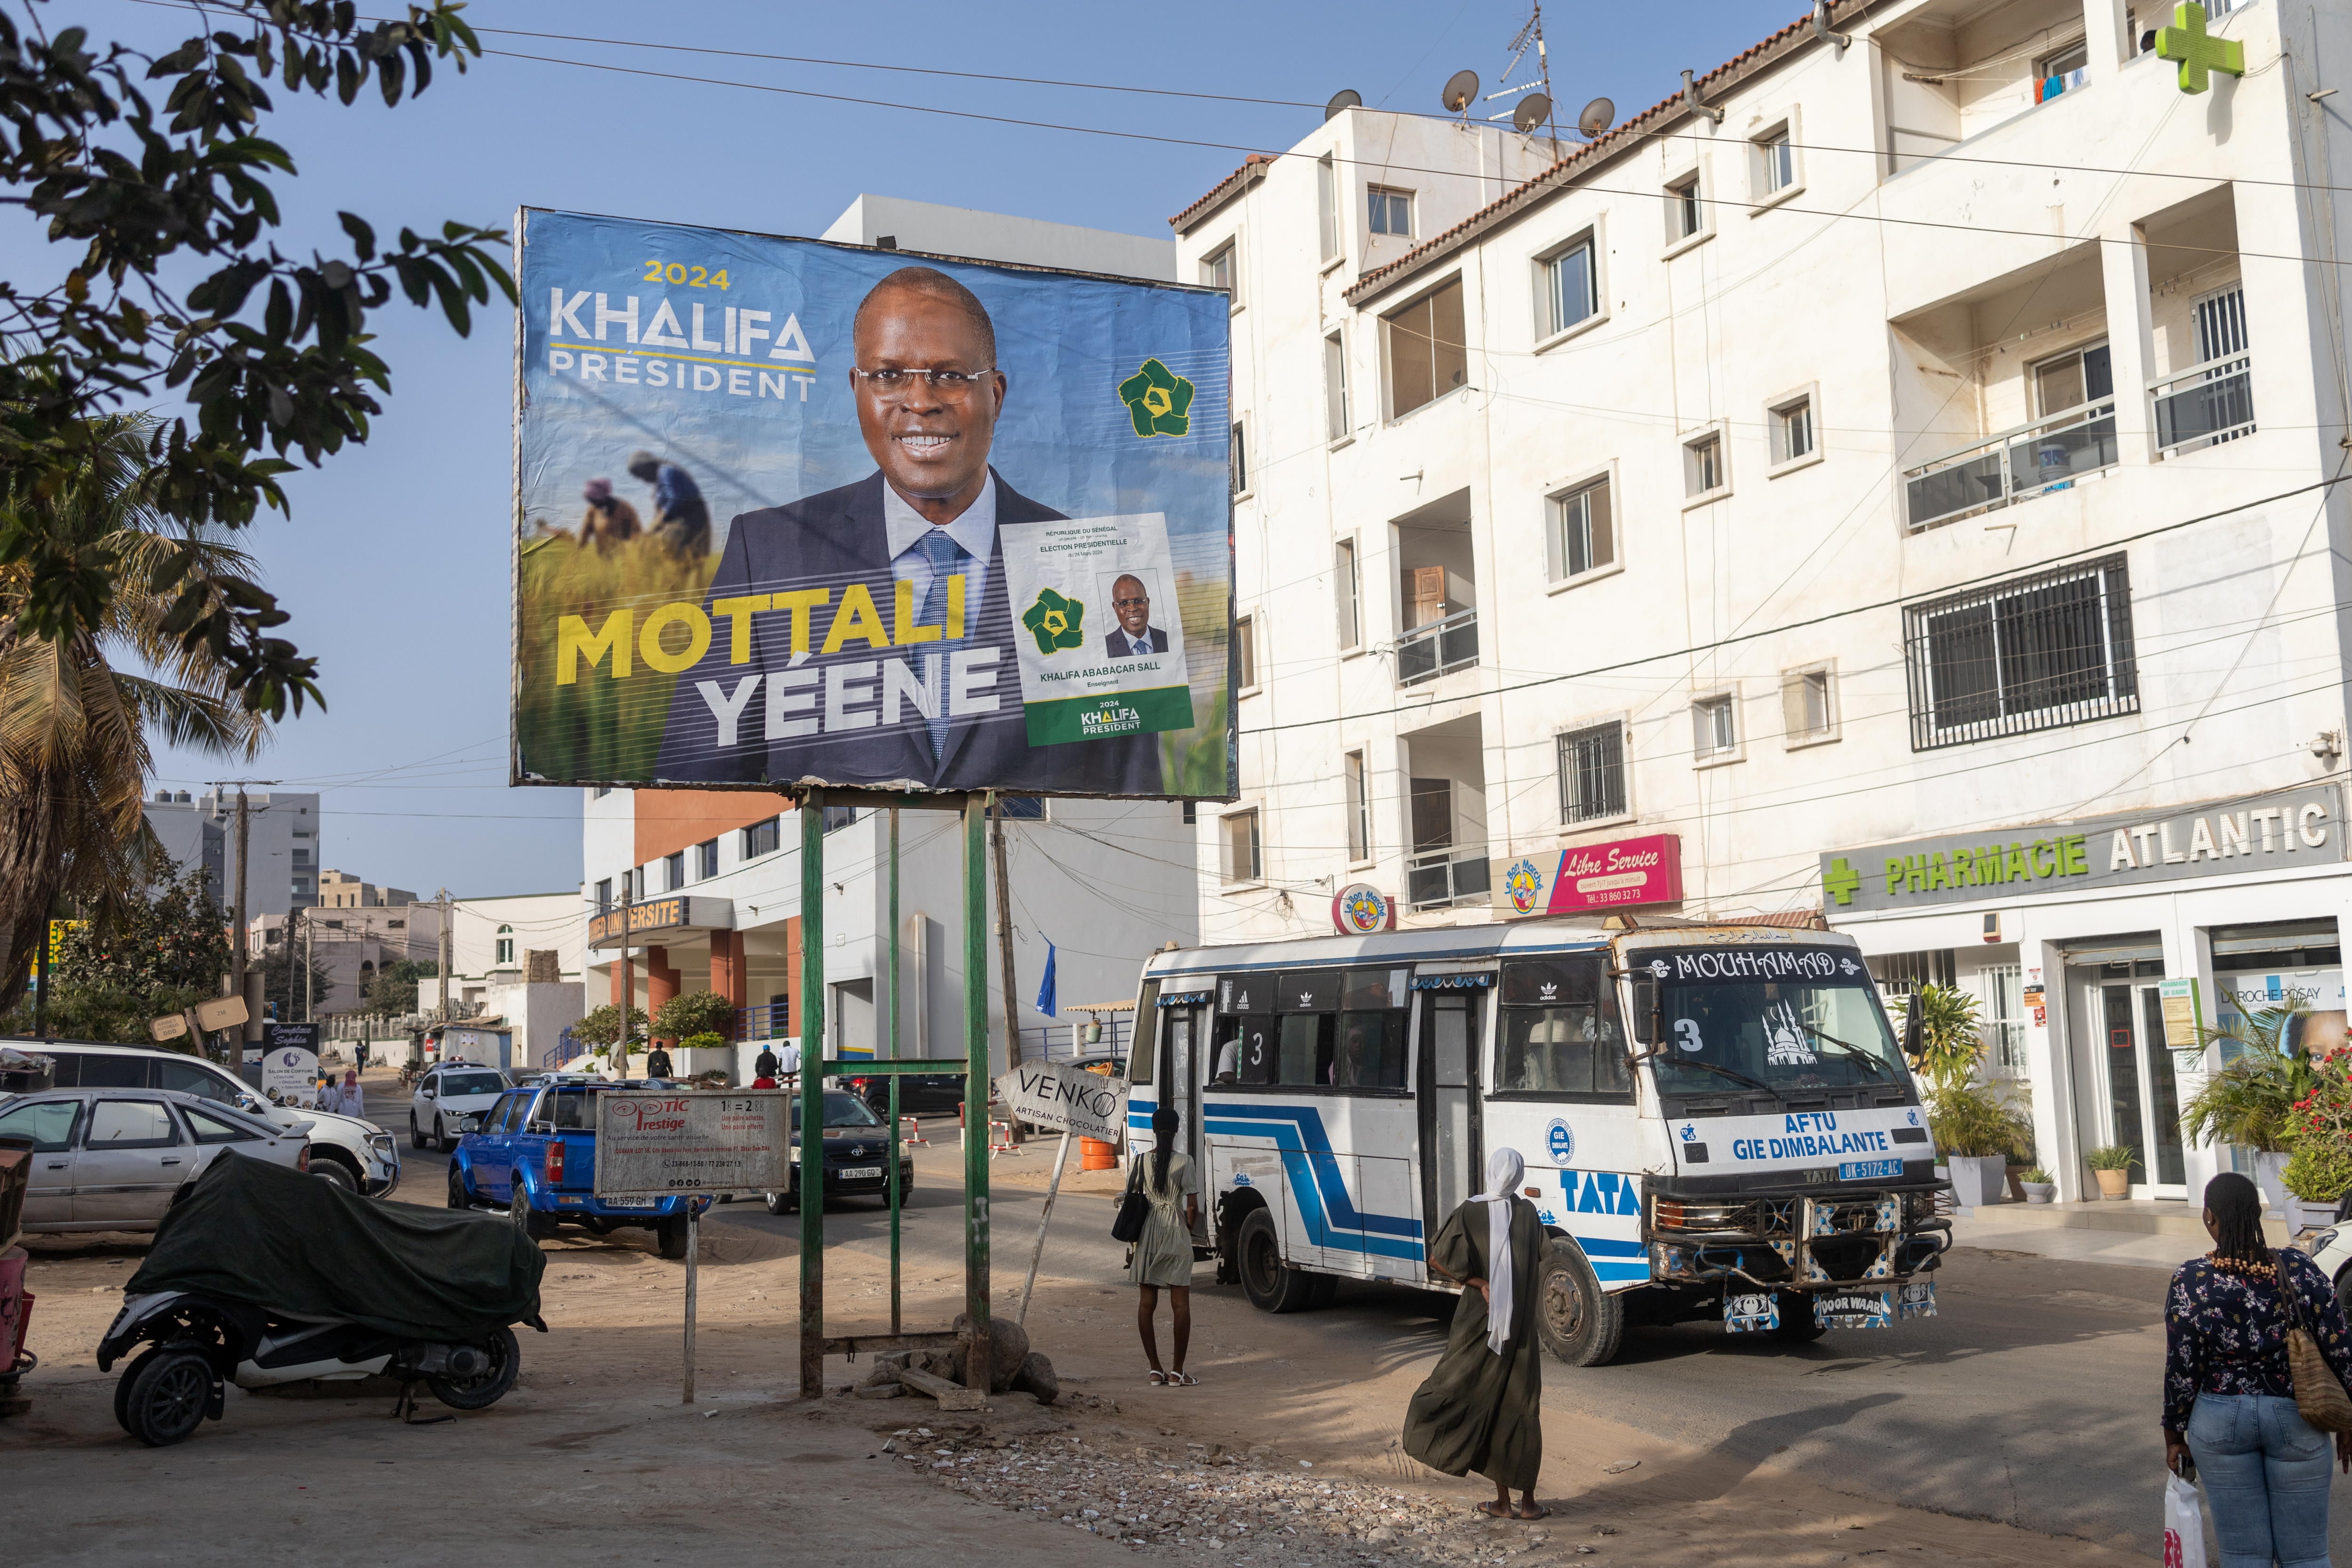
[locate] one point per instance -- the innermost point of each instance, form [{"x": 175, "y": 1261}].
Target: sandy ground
[{"x": 1286, "y": 1453}]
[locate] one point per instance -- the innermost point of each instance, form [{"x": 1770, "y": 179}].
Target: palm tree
[
  {"x": 2251, "y": 1100},
  {"x": 76, "y": 713}
]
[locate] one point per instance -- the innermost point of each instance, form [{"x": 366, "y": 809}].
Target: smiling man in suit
[
  {"x": 862, "y": 636},
  {"x": 1130, "y": 601}
]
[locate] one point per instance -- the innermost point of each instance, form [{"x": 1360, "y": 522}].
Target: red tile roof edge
[
  {"x": 1611, "y": 142},
  {"x": 1223, "y": 188}
]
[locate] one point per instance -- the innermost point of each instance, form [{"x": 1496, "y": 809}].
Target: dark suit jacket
[
  {"x": 1115, "y": 644},
  {"x": 829, "y": 541}
]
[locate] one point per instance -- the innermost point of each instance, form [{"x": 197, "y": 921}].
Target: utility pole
[
  {"x": 307, "y": 933},
  {"x": 444, "y": 966},
  {"x": 628, "y": 981},
  {"x": 237, "y": 939}
]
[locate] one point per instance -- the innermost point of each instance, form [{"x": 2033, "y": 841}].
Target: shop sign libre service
[{"x": 2092, "y": 854}]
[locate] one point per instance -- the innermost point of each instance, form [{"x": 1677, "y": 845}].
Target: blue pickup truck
[{"x": 537, "y": 1147}]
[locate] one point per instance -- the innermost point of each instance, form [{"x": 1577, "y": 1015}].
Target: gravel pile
[{"x": 1252, "y": 1510}]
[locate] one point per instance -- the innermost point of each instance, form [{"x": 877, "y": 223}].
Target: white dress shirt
[{"x": 974, "y": 531}]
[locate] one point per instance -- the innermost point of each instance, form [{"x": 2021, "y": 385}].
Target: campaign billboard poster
[{"x": 795, "y": 514}]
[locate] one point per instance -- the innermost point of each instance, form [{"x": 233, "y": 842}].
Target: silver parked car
[{"x": 115, "y": 1159}]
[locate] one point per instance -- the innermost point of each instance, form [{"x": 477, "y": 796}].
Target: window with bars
[
  {"x": 2005, "y": 1018},
  {"x": 2035, "y": 653},
  {"x": 1360, "y": 808},
  {"x": 1592, "y": 772}
]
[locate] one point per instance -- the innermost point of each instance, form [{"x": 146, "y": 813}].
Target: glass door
[
  {"x": 1452, "y": 1162},
  {"x": 2143, "y": 1096}
]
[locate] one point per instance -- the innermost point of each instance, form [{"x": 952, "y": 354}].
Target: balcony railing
[
  {"x": 768, "y": 1022},
  {"x": 2204, "y": 404},
  {"x": 1448, "y": 875},
  {"x": 2029, "y": 460},
  {"x": 1428, "y": 651}
]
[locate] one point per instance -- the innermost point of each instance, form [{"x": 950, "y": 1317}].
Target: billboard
[{"x": 791, "y": 513}]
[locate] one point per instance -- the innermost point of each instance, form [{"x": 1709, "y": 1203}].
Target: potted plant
[
  {"x": 2250, "y": 1101},
  {"x": 2039, "y": 1187},
  {"x": 2317, "y": 1175},
  {"x": 2112, "y": 1164},
  {"x": 1974, "y": 1128}
]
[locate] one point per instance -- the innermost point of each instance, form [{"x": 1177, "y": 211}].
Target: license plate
[
  {"x": 630, "y": 1203},
  {"x": 860, "y": 1172},
  {"x": 1868, "y": 1170}
]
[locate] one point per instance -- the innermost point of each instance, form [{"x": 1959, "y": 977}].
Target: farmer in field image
[{"x": 1479, "y": 1408}]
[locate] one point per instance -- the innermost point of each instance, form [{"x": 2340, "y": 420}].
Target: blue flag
[{"x": 1045, "y": 999}]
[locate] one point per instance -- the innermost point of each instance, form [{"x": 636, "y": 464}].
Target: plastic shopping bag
[{"x": 2184, "y": 1524}]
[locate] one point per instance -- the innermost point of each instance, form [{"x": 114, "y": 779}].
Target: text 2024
[{"x": 660, "y": 272}]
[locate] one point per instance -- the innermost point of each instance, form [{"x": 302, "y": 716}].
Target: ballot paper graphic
[{"x": 1065, "y": 579}]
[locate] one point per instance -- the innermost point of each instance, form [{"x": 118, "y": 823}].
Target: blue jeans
[{"x": 2266, "y": 1471}]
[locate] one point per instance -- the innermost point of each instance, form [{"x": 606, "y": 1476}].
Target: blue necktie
[{"x": 942, "y": 551}]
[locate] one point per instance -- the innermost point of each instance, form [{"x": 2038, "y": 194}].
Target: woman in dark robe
[{"x": 1480, "y": 1408}]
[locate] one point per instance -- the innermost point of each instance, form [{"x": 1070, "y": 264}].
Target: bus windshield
[{"x": 1779, "y": 1019}]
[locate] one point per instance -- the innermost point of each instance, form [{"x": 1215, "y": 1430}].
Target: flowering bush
[{"x": 2319, "y": 1130}]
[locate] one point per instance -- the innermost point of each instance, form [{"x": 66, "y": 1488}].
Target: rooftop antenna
[
  {"x": 1529, "y": 37},
  {"x": 1346, "y": 98},
  {"x": 1598, "y": 117},
  {"x": 1460, "y": 90}
]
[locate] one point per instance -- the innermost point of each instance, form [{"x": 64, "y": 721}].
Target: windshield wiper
[
  {"x": 1852, "y": 1052},
  {"x": 1728, "y": 1072}
]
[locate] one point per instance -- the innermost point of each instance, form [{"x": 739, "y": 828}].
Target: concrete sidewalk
[{"x": 2151, "y": 1233}]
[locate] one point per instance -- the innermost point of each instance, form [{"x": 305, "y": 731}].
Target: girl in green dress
[
  {"x": 1163, "y": 1255},
  {"x": 1480, "y": 1408}
]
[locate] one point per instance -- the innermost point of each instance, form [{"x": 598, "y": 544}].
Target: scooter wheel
[
  {"x": 168, "y": 1397},
  {"x": 122, "y": 1385},
  {"x": 483, "y": 1389}
]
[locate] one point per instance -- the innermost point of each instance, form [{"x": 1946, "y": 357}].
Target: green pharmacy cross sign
[
  {"x": 1841, "y": 880},
  {"x": 2197, "y": 52}
]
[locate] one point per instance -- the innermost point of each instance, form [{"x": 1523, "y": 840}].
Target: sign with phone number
[{"x": 655, "y": 1144}]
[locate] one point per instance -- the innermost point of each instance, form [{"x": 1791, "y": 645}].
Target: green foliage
[
  {"x": 695, "y": 1012},
  {"x": 2318, "y": 1173},
  {"x": 160, "y": 952},
  {"x": 393, "y": 992},
  {"x": 2035, "y": 1174},
  {"x": 1977, "y": 1119},
  {"x": 598, "y": 727},
  {"x": 2111, "y": 1157},
  {"x": 602, "y": 1027},
  {"x": 281, "y": 968},
  {"x": 2251, "y": 1100},
  {"x": 1951, "y": 1043},
  {"x": 703, "y": 1042},
  {"x": 273, "y": 351}
]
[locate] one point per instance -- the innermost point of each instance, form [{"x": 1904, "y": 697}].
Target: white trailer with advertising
[{"x": 1718, "y": 1119}]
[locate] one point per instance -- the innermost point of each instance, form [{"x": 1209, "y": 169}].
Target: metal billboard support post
[
  {"x": 890, "y": 1029},
  {"x": 976, "y": 1091},
  {"x": 812, "y": 1030},
  {"x": 693, "y": 1254},
  {"x": 1045, "y": 1219}
]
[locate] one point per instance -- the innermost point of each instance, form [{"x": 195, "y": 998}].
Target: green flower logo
[
  {"x": 1157, "y": 399},
  {"x": 1056, "y": 623}
]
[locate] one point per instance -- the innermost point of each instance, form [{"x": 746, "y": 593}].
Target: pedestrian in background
[
  {"x": 350, "y": 1099},
  {"x": 2229, "y": 1392},
  {"x": 1480, "y": 1408},
  {"x": 657, "y": 1061},
  {"x": 1162, "y": 1258},
  {"x": 765, "y": 1065}
]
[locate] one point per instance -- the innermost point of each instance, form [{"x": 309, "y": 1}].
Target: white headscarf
[{"x": 1504, "y": 1169}]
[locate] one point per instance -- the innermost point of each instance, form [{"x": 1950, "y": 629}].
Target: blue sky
[{"x": 394, "y": 564}]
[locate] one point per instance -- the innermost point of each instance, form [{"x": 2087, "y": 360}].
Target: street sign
[
  {"x": 171, "y": 1027},
  {"x": 220, "y": 1013},
  {"x": 291, "y": 1073},
  {"x": 289, "y": 1036},
  {"x": 1066, "y": 1098},
  {"x": 655, "y": 1144}
]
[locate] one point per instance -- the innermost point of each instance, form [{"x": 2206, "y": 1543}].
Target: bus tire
[
  {"x": 1576, "y": 1320},
  {"x": 1798, "y": 1324},
  {"x": 1271, "y": 1285}
]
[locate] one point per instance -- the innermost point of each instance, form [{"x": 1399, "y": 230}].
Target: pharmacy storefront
[{"x": 2102, "y": 948}]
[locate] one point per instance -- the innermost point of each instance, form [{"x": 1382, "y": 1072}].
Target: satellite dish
[
  {"x": 1532, "y": 112},
  {"x": 1598, "y": 116},
  {"x": 1461, "y": 92},
  {"x": 1346, "y": 98}
]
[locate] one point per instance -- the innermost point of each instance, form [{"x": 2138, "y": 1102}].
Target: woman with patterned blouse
[{"x": 2228, "y": 1398}]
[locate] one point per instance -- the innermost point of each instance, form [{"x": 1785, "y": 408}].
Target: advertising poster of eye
[{"x": 792, "y": 512}]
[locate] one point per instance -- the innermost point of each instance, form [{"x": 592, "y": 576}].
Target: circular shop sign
[
  {"x": 1359, "y": 909},
  {"x": 1561, "y": 1141}
]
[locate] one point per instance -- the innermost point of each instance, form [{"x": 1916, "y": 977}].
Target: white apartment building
[
  {"x": 716, "y": 874},
  {"x": 282, "y": 836},
  {"x": 1891, "y": 482}
]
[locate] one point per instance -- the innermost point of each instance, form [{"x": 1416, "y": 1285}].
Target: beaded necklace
[{"x": 2246, "y": 1268}]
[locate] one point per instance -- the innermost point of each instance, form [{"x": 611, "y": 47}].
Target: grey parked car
[{"x": 114, "y": 1159}]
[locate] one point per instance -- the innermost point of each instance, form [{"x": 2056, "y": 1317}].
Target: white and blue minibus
[{"x": 1717, "y": 1119}]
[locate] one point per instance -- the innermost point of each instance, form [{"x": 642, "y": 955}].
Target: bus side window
[
  {"x": 1143, "y": 1046},
  {"x": 1371, "y": 1051},
  {"x": 1562, "y": 1033},
  {"x": 1306, "y": 1049}
]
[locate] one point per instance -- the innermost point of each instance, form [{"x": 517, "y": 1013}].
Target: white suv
[
  {"x": 449, "y": 1102},
  {"x": 342, "y": 1148}
]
